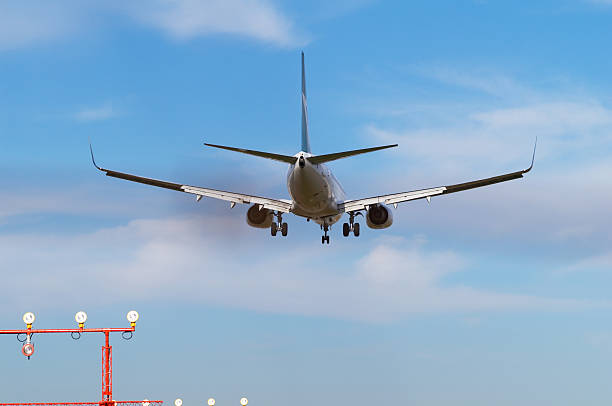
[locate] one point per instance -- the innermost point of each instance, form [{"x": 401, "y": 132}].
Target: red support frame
[
  {"x": 107, "y": 365},
  {"x": 107, "y": 370}
]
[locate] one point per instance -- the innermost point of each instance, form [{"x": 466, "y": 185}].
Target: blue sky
[{"x": 493, "y": 296}]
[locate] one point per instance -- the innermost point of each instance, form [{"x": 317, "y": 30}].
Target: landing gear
[
  {"x": 325, "y": 237},
  {"x": 279, "y": 226},
  {"x": 351, "y": 226}
]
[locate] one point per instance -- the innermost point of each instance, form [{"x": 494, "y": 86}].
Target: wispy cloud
[
  {"x": 186, "y": 19},
  {"x": 96, "y": 113},
  {"x": 38, "y": 22},
  {"x": 598, "y": 263},
  {"x": 187, "y": 259}
]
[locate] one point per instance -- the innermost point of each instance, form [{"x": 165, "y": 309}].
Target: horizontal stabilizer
[
  {"x": 276, "y": 157},
  {"x": 319, "y": 159}
]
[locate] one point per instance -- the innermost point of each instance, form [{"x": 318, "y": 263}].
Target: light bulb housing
[
  {"x": 29, "y": 318},
  {"x": 81, "y": 318},
  {"x": 132, "y": 317}
]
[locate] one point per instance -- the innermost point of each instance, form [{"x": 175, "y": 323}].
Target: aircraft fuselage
[{"x": 315, "y": 191}]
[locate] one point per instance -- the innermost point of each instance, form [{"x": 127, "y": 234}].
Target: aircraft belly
[{"x": 311, "y": 193}]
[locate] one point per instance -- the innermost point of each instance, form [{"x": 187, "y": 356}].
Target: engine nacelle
[
  {"x": 259, "y": 218},
  {"x": 379, "y": 216}
]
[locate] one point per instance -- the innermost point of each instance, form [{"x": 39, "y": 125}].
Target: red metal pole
[{"x": 107, "y": 372}]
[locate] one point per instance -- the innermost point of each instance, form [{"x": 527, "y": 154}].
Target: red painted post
[{"x": 107, "y": 372}]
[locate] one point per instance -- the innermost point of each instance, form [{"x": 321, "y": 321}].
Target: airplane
[{"x": 315, "y": 192}]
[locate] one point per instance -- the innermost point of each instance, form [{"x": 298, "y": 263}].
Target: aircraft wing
[
  {"x": 395, "y": 198},
  {"x": 272, "y": 204}
]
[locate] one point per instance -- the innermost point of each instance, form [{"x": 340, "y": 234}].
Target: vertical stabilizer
[{"x": 305, "y": 138}]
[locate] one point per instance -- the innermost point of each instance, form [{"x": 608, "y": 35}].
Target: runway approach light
[
  {"x": 146, "y": 402},
  {"x": 244, "y": 401},
  {"x": 28, "y": 319},
  {"x": 81, "y": 318},
  {"x": 211, "y": 402},
  {"x": 28, "y": 350},
  {"x": 179, "y": 401},
  {"x": 132, "y": 317}
]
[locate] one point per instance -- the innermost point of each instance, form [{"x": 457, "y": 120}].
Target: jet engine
[
  {"x": 379, "y": 216},
  {"x": 259, "y": 218}
]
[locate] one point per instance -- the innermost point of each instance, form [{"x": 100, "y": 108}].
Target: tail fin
[{"x": 305, "y": 138}]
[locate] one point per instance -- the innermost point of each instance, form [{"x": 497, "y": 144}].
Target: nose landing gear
[
  {"x": 279, "y": 225},
  {"x": 351, "y": 226},
  {"x": 325, "y": 237}
]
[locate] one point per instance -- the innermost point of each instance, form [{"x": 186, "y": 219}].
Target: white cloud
[
  {"x": 491, "y": 83},
  {"x": 493, "y": 133},
  {"x": 599, "y": 263},
  {"x": 96, "y": 114},
  {"x": 185, "y": 19},
  {"x": 193, "y": 260},
  {"x": 35, "y": 22},
  {"x": 554, "y": 118}
]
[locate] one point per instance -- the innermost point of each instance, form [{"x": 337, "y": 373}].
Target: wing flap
[
  {"x": 362, "y": 204},
  {"x": 272, "y": 204}
]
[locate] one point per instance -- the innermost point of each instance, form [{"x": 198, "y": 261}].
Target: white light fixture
[
  {"x": 29, "y": 318},
  {"x": 145, "y": 402},
  {"x": 80, "y": 317},
  {"x": 179, "y": 401},
  {"x": 211, "y": 402},
  {"x": 132, "y": 317},
  {"x": 244, "y": 401}
]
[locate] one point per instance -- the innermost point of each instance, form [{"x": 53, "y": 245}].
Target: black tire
[
  {"x": 327, "y": 239},
  {"x": 273, "y": 229},
  {"x": 356, "y": 229},
  {"x": 284, "y": 229},
  {"x": 346, "y": 229},
  {"x": 322, "y": 239}
]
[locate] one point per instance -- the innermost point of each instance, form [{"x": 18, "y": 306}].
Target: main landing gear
[
  {"x": 351, "y": 226},
  {"x": 325, "y": 237},
  {"x": 279, "y": 226}
]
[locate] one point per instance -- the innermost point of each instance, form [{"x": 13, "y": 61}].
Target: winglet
[
  {"x": 533, "y": 156},
  {"x": 92, "y": 157}
]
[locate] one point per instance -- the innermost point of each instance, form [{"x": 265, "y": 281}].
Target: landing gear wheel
[
  {"x": 273, "y": 229},
  {"x": 346, "y": 229},
  {"x": 284, "y": 229},
  {"x": 356, "y": 229},
  {"x": 325, "y": 237}
]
